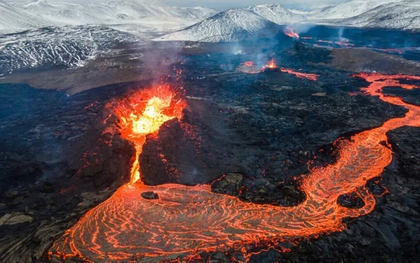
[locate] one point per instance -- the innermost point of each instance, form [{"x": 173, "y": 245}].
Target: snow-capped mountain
[
  {"x": 17, "y": 16},
  {"x": 238, "y": 24},
  {"x": 227, "y": 26},
  {"x": 110, "y": 12},
  {"x": 349, "y": 9},
  {"x": 276, "y": 13},
  {"x": 392, "y": 14},
  {"x": 64, "y": 47},
  {"x": 402, "y": 15}
]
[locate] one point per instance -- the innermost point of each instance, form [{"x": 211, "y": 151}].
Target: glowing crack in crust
[{"x": 187, "y": 220}]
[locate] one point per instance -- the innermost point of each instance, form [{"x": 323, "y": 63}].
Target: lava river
[{"x": 186, "y": 220}]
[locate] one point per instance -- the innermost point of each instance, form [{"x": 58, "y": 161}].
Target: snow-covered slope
[
  {"x": 402, "y": 15},
  {"x": 13, "y": 19},
  {"x": 18, "y": 16},
  {"x": 276, "y": 13},
  {"x": 349, "y": 9},
  {"x": 113, "y": 12},
  {"x": 227, "y": 26},
  {"x": 64, "y": 47}
]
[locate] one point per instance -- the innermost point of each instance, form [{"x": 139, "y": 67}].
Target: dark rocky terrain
[{"x": 61, "y": 155}]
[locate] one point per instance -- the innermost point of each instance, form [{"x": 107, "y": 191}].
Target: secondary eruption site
[
  {"x": 249, "y": 67},
  {"x": 186, "y": 220}
]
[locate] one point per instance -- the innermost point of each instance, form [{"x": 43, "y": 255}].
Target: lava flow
[
  {"x": 272, "y": 65},
  {"x": 300, "y": 75},
  {"x": 186, "y": 220}
]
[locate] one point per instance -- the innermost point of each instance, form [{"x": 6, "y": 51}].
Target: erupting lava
[
  {"x": 186, "y": 220},
  {"x": 272, "y": 65},
  {"x": 143, "y": 113},
  {"x": 289, "y": 32}
]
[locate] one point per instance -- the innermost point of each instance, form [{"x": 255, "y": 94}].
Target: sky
[{"x": 220, "y": 4}]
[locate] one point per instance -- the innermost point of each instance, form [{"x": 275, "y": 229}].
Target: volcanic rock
[
  {"x": 53, "y": 149},
  {"x": 229, "y": 183},
  {"x": 14, "y": 218},
  {"x": 150, "y": 195}
]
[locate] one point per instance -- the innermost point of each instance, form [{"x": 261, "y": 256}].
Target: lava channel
[{"x": 187, "y": 220}]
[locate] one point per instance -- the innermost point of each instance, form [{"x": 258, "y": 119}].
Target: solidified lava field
[{"x": 276, "y": 154}]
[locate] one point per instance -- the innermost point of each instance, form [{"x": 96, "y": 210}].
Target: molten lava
[
  {"x": 249, "y": 63},
  {"x": 248, "y": 67},
  {"x": 271, "y": 64},
  {"x": 291, "y": 33},
  {"x": 143, "y": 113},
  {"x": 300, "y": 75},
  {"x": 186, "y": 220}
]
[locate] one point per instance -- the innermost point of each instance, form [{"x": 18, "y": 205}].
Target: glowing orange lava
[
  {"x": 291, "y": 33},
  {"x": 143, "y": 113},
  {"x": 186, "y": 220},
  {"x": 271, "y": 64},
  {"x": 300, "y": 75},
  {"x": 249, "y": 63},
  {"x": 248, "y": 67}
]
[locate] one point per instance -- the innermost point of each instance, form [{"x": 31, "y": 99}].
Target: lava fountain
[
  {"x": 186, "y": 220},
  {"x": 271, "y": 64},
  {"x": 143, "y": 113}
]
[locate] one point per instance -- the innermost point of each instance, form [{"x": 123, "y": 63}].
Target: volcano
[{"x": 278, "y": 153}]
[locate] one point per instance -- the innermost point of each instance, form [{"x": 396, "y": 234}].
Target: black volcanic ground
[{"x": 59, "y": 155}]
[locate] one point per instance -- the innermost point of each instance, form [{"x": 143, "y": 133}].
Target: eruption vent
[
  {"x": 271, "y": 64},
  {"x": 143, "y": 113},
  {"x": 291, "y": 33}
]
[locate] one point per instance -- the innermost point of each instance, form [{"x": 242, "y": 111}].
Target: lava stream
[
  {"x": 190, "y": 219},
  {"x": 250, "y": 68}
]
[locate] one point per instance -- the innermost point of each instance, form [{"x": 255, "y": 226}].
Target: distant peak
[
  {"x": 271, "y": 6},
  {"x": 38, "y": 1}
]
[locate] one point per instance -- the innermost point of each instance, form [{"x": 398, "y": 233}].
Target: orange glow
[
  {"x": 291, "y": 33},
  {"x": 187, "y": 220},
  {"x": 248, "y": 67},
  {"x": 143, "y": 113},
  {"x": 271, "y": 64},
  {"x": 300, "y": 75},
  {"x": 248, "y": 63}
]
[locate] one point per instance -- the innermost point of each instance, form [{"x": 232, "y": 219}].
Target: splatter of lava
[
  {"x": 187, "y": 220},
  {"x": 291, "y": 33}
]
